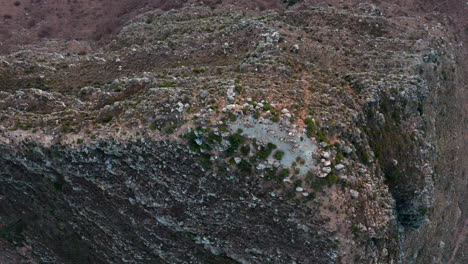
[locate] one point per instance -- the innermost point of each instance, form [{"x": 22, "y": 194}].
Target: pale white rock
[
  {"x": 326, "y": 170},
  {"x": 180, "y": 107},
  {"x": 229, "y": 107},
  {"x": 354, "y": 194},
  {"x": 339, "y": 167},
  {"x": 299, "y": 189},
  {"x": 347, "y": 150},
  {"x": 322, "y": 175},
  {"x": 287, "y": 180},
  {"x": 442, "y": 244},
  {"x": 295, "y": 48},
  {"x": 326, "y": 155},
  {"x": 230, "y": 93}
]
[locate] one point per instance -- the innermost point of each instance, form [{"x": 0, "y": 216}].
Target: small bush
[
  {"x": 265, "y": 152},
  {"x": 206, "y": 161},
  {"x": 235, "y": 141},
  {"x": 279, "y": 155},
  {"x": 166, "y": 84},
  {"x": 256, "y": 115},
  {"x": 169, "y": 129},
  {"x": 321, "y": 137},
  {"x": 245, "y": 150},
  {"x": 67, "y": 127},
  {"x": 232, "y": 117},
  {"x": 239, "y": 88},
  {"x": 106, "y": 118},
  {"x": 339, "y": 156},
  {"x": 245, "y": 166},
  {"x": 58, "y": 186},
  {"x": 198, "y": 70}
]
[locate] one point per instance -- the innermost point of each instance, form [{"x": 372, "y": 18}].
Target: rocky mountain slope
[{"x": 234, "y": 132}]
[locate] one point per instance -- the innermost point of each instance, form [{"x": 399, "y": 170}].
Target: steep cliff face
[{"x": 211, "y": 134}]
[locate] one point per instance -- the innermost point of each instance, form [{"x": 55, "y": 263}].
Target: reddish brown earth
[{"x": 27, "y": 21}]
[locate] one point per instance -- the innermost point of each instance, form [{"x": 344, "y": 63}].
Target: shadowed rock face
[
  {"x": 124, "y": 145},
  {"x": 105, "y": 200}
]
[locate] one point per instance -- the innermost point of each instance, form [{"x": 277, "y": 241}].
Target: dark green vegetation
[
  {"x": 317, "y": 183},
  {"x": 393, "y": 150},
  {"x": 291, "y": 2}
]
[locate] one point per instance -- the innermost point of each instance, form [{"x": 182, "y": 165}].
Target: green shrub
[
  {"x": 198, "y": 70},
  {"x": 169, "y": 129},
  {"x": 153, "y": 126},
  {"x": 206, "y": 161},
  {"x": 149, "y": 20},
  {"x": 106, "y": 118},
  {"x": 279, "y": 155},
  {"x": 270, "y": 173},
  {"x": 67, "y": 127},
  {"x": 245, "y": 150},
  {"x": 232, "y": 117},
  {"x": 239, "y": 88},
  {"x": 310, "y": 127},
  {"x": 235, "y": 141},
  {"x": 321, "y": 137},
  {"x": 265, "y": 151},
  {"x": 256, "y": 115},
  {"x": 166, "y": 84},
  {"x": 423, "y": 211},
  {"x": 245, "y": 166},
  {"x": 58, "y": 186},
  {"x": 339, "y": 156},
  {"x": 213, "y": 138}
]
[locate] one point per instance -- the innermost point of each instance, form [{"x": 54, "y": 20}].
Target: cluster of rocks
[{"x": 269, "y": 72}]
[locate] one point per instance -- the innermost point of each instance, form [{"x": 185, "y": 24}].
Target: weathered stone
[
  {"x": 339, "y": 167},
  {"x": 326, "y": 170},
  {"x": 354, "y": 194}
]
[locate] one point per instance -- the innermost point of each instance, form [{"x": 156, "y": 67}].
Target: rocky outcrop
[{"x": 210, "y": 134}]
